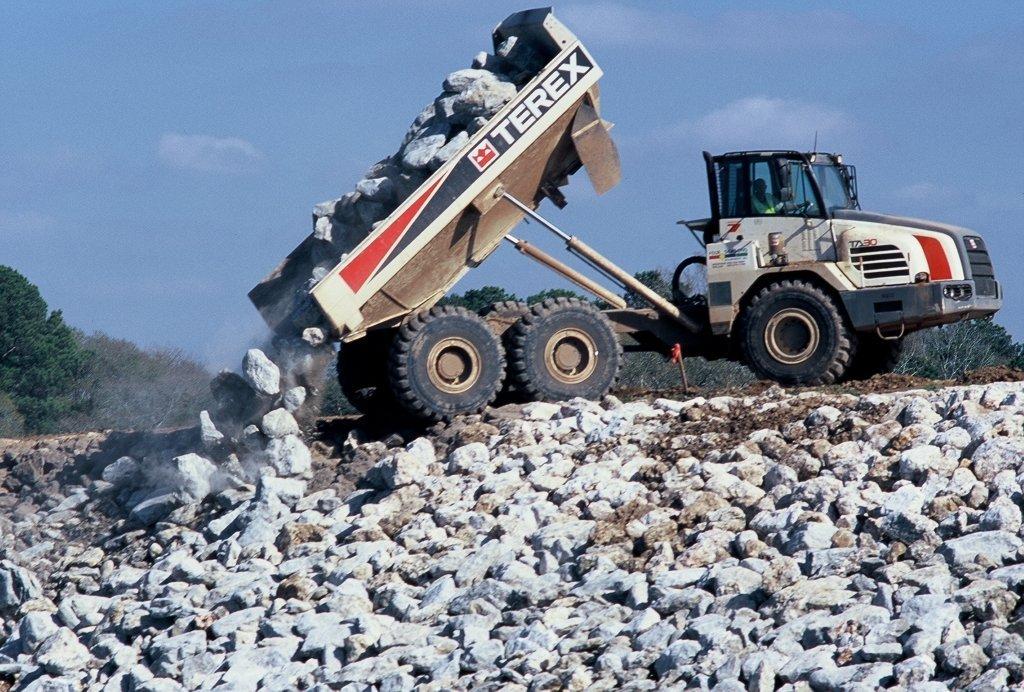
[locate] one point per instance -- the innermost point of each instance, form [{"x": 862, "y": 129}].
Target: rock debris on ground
[{"x": 786, "y": 541}]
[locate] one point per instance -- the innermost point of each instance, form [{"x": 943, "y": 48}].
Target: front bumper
[{"x": 915, "y": 306}]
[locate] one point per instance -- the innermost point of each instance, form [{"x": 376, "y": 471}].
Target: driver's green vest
[{"x": 766, "y": 207}]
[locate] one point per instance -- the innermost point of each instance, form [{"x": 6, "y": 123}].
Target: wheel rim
[
  {"x": 791, "y": 336},
  {"x": 453, "y": 365},
  {"x": 571, "y": 356}
]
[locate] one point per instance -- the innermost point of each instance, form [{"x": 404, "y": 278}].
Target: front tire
[
  {"x": 793, "y": 333},
  {"x": 445, "y": 362},
  {"x": 564, "y": 348}
]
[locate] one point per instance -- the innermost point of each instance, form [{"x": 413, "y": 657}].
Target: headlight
[{"x": 958, "y": 291}]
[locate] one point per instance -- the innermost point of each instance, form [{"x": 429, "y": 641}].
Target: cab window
[
  {"x": 804, "y": 199},
  {"x": 749, "y": 187}
]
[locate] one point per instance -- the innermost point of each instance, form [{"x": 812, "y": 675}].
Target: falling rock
[
  {"x": 279, "y": 423},
  {"x": 261, "y": 373},
  {"x": 208, "y": 433},
  {"x": 314, "y": 336},
  {"x": 194, "y": 476},
  {"x": 293, "y": 399},
  {"x": 323, "y": 229},
  {"x": 289, "y": 456}
]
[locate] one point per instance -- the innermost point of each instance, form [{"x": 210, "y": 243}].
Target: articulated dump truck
[{"x": 795, "y": 280}]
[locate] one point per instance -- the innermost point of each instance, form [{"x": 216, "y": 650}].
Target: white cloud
[
  {"x": 207, "y": 154},
  {"x": 766, "y": 123}
]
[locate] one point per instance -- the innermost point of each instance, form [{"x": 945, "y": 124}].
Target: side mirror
[
  {"x": 786, "y": 194},
  {"x": 784, "y": 172}
]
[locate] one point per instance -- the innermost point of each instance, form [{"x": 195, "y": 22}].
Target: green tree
[
  {"x": 948, "y": 352},
  {"x": 39, "y": 356},
  {"x": 126, "y": 387},
  {"x": 651, "y": 278},
  {"x": 553, "y": 293},
  {"x": 477, "y": 299},
  {"x": 12, "y": 423}
]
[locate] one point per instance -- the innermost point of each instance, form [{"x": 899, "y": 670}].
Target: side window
[{"x": 734, "y": 200}]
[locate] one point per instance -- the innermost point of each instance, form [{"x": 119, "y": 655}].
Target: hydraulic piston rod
[
  {"x": 568, "y": 272},
  {"x": 607, "y": 267}
]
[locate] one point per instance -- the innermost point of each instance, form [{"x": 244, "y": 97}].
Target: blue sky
[{"x": 158, "y": 159}]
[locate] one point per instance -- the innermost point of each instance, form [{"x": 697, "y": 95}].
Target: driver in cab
[{"x": 763, "y": 202}]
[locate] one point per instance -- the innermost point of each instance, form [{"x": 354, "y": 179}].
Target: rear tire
[
  {"x": 793, "y": 333},
  {"x": 445, "y": 362},
  {"x": 363, "y": 373},
  {"x": 874, "y": 356},
  {"x": 563, "y": 348}
]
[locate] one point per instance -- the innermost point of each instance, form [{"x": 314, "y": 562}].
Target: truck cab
[{"x": 778, "y": 213}]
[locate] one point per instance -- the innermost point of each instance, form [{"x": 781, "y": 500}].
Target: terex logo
[
  {"x": 483, "y": 155},
  {"x": 531, "y": 108}
]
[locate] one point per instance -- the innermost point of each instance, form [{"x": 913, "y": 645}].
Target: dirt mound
[
  {"x": 879, "y": 384},
  {"x": 992, "y": 374}
]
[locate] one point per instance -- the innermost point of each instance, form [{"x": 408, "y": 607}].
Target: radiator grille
[
  {"x": 981, "y": 271},
  {"x": 880, "y": 262}
]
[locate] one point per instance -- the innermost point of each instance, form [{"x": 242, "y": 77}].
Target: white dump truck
[{"x": 795, "y": 280}]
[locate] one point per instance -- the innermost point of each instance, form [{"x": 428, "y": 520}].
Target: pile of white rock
[{"x": 849, "y": 543}]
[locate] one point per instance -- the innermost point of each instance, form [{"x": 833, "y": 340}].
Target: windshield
[{"x": 833, "y": 187}]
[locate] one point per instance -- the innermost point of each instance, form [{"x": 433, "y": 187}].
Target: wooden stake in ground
[{"x": 677, "y": 357}]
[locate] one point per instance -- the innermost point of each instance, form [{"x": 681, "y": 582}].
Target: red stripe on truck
[
  {"x": 359, "y": 269},
  {"x": 938, "y": 263}
]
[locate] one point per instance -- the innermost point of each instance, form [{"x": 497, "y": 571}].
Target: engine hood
[{"x": 905, "y": 221}]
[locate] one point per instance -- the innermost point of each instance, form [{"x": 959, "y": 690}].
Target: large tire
[
  {"x": 793, "y": 333},
  {"x": 563, "y": 348},
  {"x": 445, "y": 362},
  {"x": 363, "y": 373},
  {"x": 875, "y": 356}
]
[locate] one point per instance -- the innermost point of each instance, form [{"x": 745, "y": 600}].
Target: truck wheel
[
  {"x": 874, "y": 356},
  {"x": 793, "y": 333},
  {"x": 444, "y": 362},
  {"x": 562, "y": 349},
  {"x": 363, "y": 373}
]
